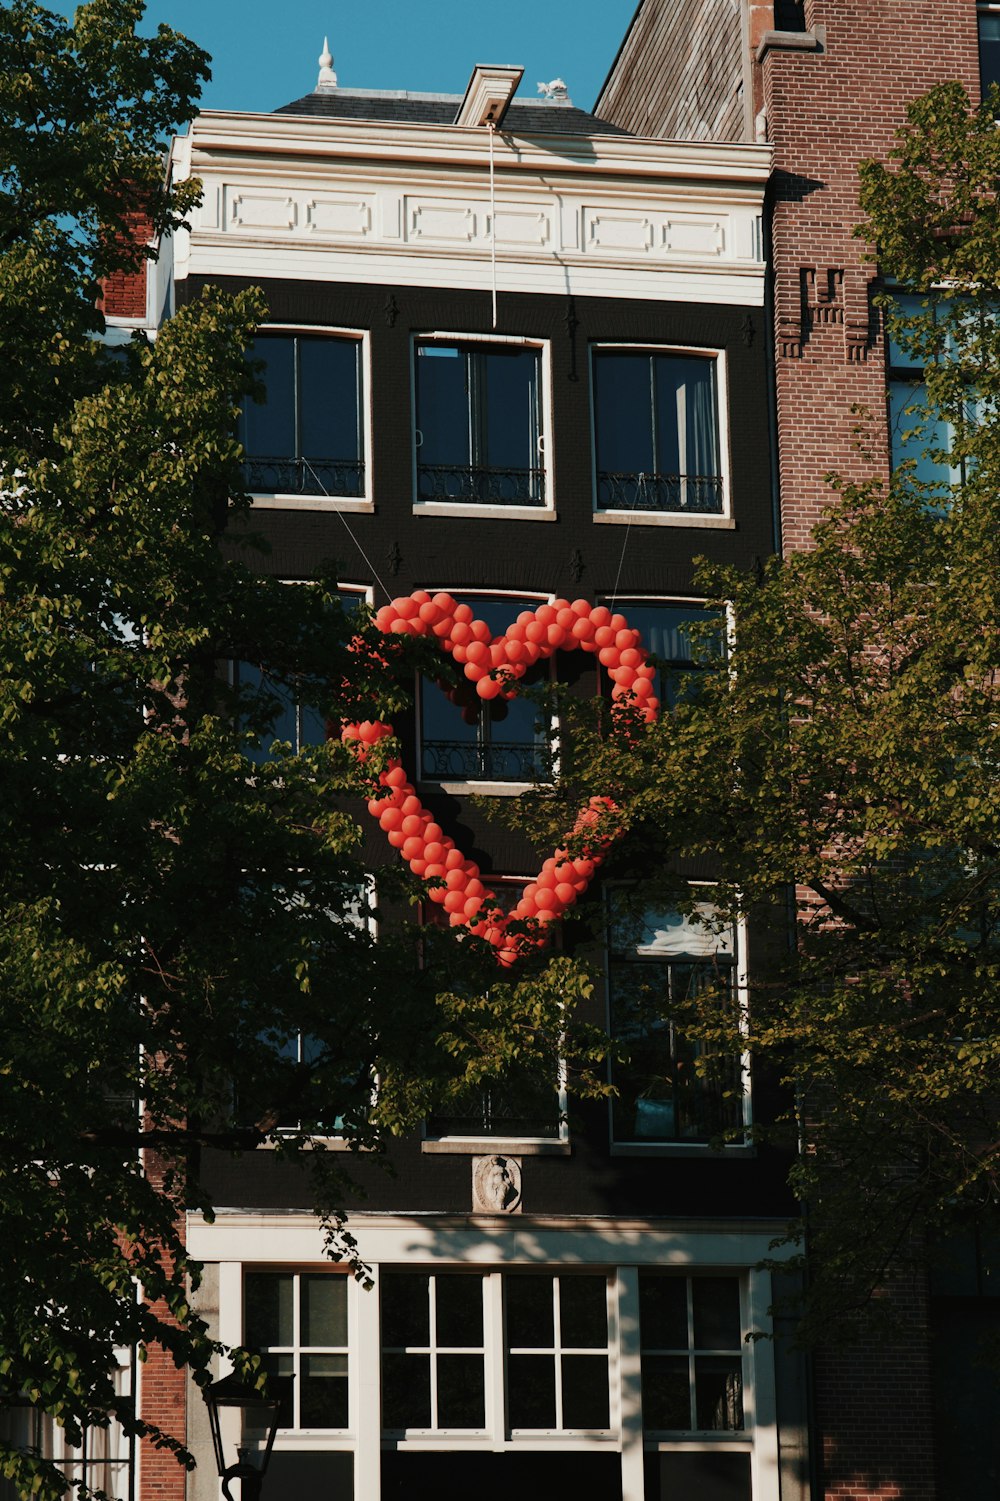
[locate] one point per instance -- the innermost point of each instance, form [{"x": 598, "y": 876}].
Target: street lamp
[{"x": 260, "y": 1411}]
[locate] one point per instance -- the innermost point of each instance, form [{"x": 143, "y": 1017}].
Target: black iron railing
[
  {"x": 700, "y": 494},
  {"x": 464, "y": 760},
  {"x": 481, "y": 485},
  {"x": 340, "y": 478},
  {"x": 502, "y": 1111}
]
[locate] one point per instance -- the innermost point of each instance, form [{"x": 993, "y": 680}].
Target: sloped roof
[{"x": 524, "y": 117}]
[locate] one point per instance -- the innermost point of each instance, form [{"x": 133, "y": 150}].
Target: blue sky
[{"x": 264, "y": 51}]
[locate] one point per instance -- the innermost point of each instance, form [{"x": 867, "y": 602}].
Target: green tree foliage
[
  {"x": 180, "y": 898},
  {"x": 846, "y": 753}
]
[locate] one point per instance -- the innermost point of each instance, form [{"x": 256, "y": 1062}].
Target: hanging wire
[
  {"x": 640, "y": 495},
  {"x": 492, "y": 130},
  {"x": 375, "y": 573}
]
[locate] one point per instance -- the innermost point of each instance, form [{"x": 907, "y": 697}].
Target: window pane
[
  {"x": 529, "y": 1312},
  {"x": 443, "y": 406},
  {"x": 583, "y": 1313},
  {"x": 663, "y": 1313},
  {"x": 718, "y": 1384},
  {"x": 268, "y": 1310},
  {"x": 716, "y": 1313},
  {"x": 623, "y": 413},
  {"x": 461, "y": 1391},
  {"x": 459, "y": 1311},
  {"x": 585, "y": 1391},
  {"x": 405, "y": 1309},
  {"x": 989, "y": 50},
  {"x": 913, "y": 432},
  {"x": 510, "y": 405},
  {"x": 687, "y": 440},
  {"x": 906, "y": 306},
  {"x": 406, "y": 1391},
  {"x": 329, "y": 425},
  {"x": 323, "y": 1391},
  {"x": 531, "y": 1391},
  {"x": 324, "y": 1310},
  {"x": 666, "y": 1392},
  {"x": 269, "y": 430}
]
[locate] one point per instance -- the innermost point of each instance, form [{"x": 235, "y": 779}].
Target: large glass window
[
  {"x": 308, "y": 436},
  {"x": 656, "y": 418},
  {"x": 297, "y": 1323},
  {"x": 433, "y": 1351},
  {"x": 466, "y": 738},
  {"x": 665, "y": 627},
  {"x": 479, "y": 424},
  {"x": 692, "y": 1353},
  {"x": 920, "y": 434},
  {"x": 989, "y": 48},
  {"x": 436, "y": 1351},
  {"x": 557, "y": 1352},
  {"x": 671, "y": 1089}
]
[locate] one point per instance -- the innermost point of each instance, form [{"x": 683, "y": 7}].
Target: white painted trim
[
  {"x": 479, "y": 1146},
  {"x": 664, "y": 518},
  {"x": 446, "y": 510},
  {"x": 295, "y": 1238}
]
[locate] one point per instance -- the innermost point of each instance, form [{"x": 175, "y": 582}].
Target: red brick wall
[
  {"x": 163, "y": 1401},
  {"x": 124, "y": 293},
  {"x": 826, "y": 110}
]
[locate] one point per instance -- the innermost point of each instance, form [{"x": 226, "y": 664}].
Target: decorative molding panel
[
  {"x": 260, "y": 211},
  {"x": 339, "y": 214}
]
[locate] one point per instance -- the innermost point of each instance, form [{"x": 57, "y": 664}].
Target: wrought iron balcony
[
  {"x": 464, "y": 760},
  {"x": 700, "y": 494},
  {"x": 502, "y": 1110},
  {"x": 481, "y": 485},
  {"x": 273, "y": 475}
]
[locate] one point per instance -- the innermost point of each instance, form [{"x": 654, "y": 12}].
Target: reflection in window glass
[
  {"x": 656, "y": 432},
  {"x": 557, "y": 1351},
  {"x": 297, "y": 1323},
  {"x": 989, "y": 49},
  {"x": 466, "y": 738},
  {"x": 665, "y": 629},
  {"x": 307, "y": 438},
  {"x": 692, "y": 1363},
  {"x": 479, "y": 424},
  {"x": 433, "y": 1351},
  {"x": 670, "y": 1088}
]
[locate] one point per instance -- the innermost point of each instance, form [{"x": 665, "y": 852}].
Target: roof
[{"x": 524, "y": 117}]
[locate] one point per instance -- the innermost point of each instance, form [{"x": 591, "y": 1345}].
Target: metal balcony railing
[
  {"x": 273, "y": 475},
  {"x": 481, "y": 484},
  {"x": 464, "y": 760},
  {"x": 700, "y": 494}
]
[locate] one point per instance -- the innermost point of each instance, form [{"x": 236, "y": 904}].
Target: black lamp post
[{"x": 264, "y": 1409}]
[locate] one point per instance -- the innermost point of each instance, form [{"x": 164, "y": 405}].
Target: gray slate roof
[{"x": 526, "y": 117}]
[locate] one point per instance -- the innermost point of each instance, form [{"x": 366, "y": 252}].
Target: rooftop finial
[{"x": 327, "y": 77}]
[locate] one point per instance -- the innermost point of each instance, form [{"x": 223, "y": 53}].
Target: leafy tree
[
  {"x": 846, "y": 753},
  {"x": 179, "y": 895}
]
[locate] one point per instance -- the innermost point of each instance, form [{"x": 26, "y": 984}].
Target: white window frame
[
  {"x": 741, "y": 996},
  {"x": 724, "y": 520},
  {"x": 297, "y": 1350},
  {"x": 438, "y": 1243},
  {"x": 544, "y": 512},
  {"x": 460, "y": 787},
  {"x": 277, "y": 501}
]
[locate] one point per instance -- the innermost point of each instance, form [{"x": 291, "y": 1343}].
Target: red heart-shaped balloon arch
[{"x": 494, "y": 664}]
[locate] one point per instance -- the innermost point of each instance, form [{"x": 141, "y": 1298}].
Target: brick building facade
[{"x": 825, "y": 84}]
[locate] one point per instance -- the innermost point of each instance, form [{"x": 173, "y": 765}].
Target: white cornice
[
  {"x": 218, "y": 133},
  {"x": 289, "y": 196}
]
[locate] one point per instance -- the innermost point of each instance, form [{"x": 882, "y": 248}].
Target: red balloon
[
  {"x": 566, "y": 892},
  {"x": 412, "y": 847}
]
